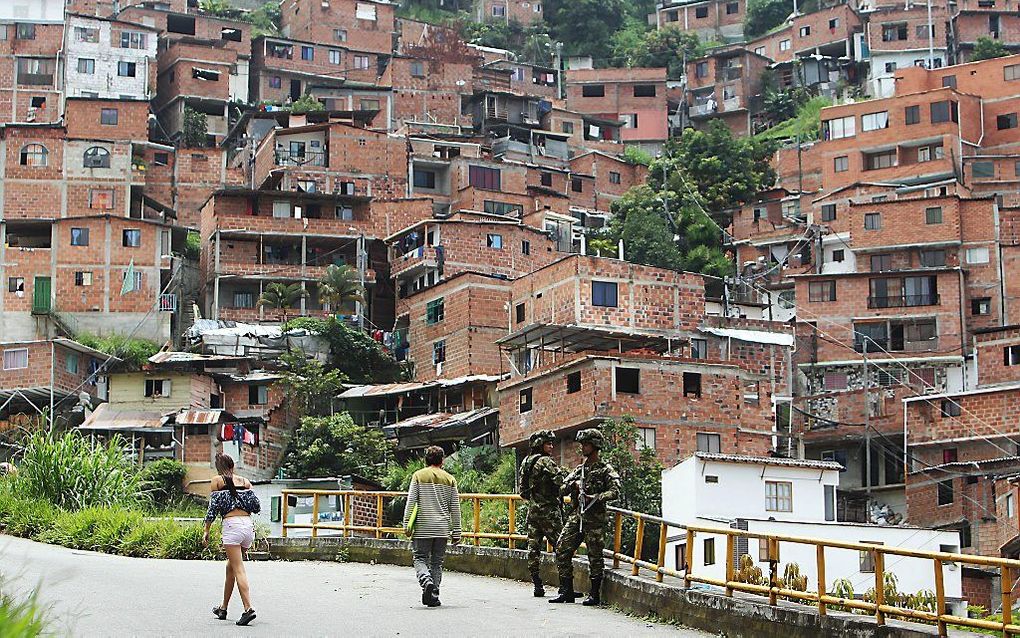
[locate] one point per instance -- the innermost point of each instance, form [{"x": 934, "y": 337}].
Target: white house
[
  {"x": 789, "y": 497},
  {"x": 108, "y": 59}
]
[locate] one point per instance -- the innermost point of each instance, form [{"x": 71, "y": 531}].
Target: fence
[{"x": 818, "y": 597}]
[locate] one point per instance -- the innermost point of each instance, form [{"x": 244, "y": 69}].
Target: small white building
[
  {"x": 108, "y": 59},
  {"x": 789, "y": 497}
]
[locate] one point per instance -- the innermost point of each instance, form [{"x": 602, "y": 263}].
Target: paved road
[{"x": 99, "y": 595}]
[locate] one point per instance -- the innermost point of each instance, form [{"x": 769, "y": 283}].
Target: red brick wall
[
  {"x": 37, "y": 374},
  {"x": 83, "y": 119},
  {"x": 991, "y": 367},
  {"x": 176, "y": 63},
  {"x": 15, "y": 97},
  {"x": 619, "y": 99},
  {"x": 315, "y": 21},
  {"x": 434, "y": 97}
]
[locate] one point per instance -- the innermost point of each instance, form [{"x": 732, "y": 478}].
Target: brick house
[
  {"x": 362, "y": 25},
  {"x": 973, "y": 19},
  {"x": 899, "y": 37},
  {"x": 725, "y": 85},
  {"x": 29, "y": 86},
  {"x": 636, "y": 96},
  {"x": 710, "y": 20},
  {"x": 33, "y": 370},
  {"x": 108, "y": 58},
  {"x": 526, "y": 12}
]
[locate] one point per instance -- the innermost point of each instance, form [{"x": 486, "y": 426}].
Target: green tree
[
  {"x": 764, "y": 15},
  {"x": 265, "y": 20},
  {"x": 306, "y": 104},
  {"x": 359, "y": 357},
  {"x": 311, "y": 385},
  {"x": 281, "y": 296},
  {"x": 640, "y": 474},
  {"x": 195, "y": 130},
  {"x": 670, "y": 47},
  {"x": 634, "y": 155},
  {"x": 335, "y": 446},
  {"x": 339, "y": 285},
  {"x": 586, "y": 27},
  {"x": 986, "y": 48}
]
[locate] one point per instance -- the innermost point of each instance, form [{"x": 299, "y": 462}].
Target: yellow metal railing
[{"x": 880, "y": 608}]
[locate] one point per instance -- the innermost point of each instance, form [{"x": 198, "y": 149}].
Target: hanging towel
[{"x": 249, "y": 437}]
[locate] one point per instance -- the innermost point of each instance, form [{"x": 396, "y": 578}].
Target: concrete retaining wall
[{"x": 699, "y": 609}]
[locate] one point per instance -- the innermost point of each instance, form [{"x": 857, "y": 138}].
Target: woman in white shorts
[{"x": 233, "y": 499}]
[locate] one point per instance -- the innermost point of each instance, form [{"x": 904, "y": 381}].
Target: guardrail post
[
  {"x": 689, "y": 558},
  {"x": 315, "y": 515},
  {"x": 879, "y": 586},
  {"x": 283, "y": 513},
  {"x": 1006, "y": 576},
  {"x": 617, "y": 540},
  {"x": 940, "y": 598},
  {"x": 512, "y": 515},
  {"x": 378, "y": 516},
  {"x": 639, "y": 542},
  {"x": 820, "y": 568},
  {"x": 773, "y": 546},
  {"x": 477, "y": 505},
  {"x": 730, "y": 571},
  {"x": 347, "y": 514},
  {"x": 661, "y": 562}
]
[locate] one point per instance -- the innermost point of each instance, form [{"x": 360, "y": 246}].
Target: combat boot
[
  {"x": 539, "y": 589},
  {"x": 567, "y": 593},
  {"x": 594, "y": 598}
]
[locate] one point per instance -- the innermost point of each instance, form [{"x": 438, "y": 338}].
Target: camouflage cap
[
  {"x": 593, "y": 436},
  {"x": 542, "y": 437}
]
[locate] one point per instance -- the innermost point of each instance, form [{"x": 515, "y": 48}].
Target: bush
[
  {"x": 133, "y": 352},
  {"x": 95, "y": 528},
  {"x": 147, "y": 539},
  {"x": 73, "y": 472},
  {"x": 184, "y": 542},
  {"x": 164, "y": 480},
  {"x": 21, "y": 618},
  {"x": 21, "y": 516}
]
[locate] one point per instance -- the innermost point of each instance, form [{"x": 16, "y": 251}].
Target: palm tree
[
  {"x": 281, "y": 296},
  {"x": 340, "y": 284}
]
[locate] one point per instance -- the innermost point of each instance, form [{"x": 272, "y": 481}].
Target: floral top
[{"x": 222, "y": 502}]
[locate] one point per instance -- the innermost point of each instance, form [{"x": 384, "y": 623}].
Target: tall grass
[
  {"x": 74, "y": 473},
  {"x": 20, "y": 618}
]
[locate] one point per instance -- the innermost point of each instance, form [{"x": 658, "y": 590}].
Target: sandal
[
  {"x": 220, "y": 613},
  {"x": 246, "y": 618}
]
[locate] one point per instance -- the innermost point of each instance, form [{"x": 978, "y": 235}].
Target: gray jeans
[{"x": 428, "y": 556}]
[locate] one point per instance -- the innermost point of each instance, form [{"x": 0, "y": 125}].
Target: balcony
[
  {"x": 704, "y": 109},
  {"x": 303, "y": 159},
  {"x": 904, "y": 301}
]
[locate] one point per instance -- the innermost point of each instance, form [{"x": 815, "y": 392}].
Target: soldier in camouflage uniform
[
  {"x": 541, "y": 479},
  {"x": 591, "y": 486}
]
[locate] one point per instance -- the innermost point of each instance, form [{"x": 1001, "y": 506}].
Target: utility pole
[
  {"x": 931, "y": 40},
  {"x": 559, "y": 70},
  {"x": 362, "y": 267},
  {"x": 867, "y": 427}
]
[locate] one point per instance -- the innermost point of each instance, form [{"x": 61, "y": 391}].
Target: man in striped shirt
[{"x": 434, "y": 492}]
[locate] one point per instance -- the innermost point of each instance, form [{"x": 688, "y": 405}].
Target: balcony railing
[
  {"x": 904, "y": 301},
  {"x": 168, "y": 302},
  {"x": 890, "y": 345},
  {"x": 307, "y": 158}
]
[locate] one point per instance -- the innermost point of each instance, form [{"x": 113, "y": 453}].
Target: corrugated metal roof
[
  {"x": 106, "y": 417},
  {"x": 199, "y": 417},
  {"x": 768, "y": 460},
  {"x": 753, "y": 336},
  {"x": 191, "y": 357},
  {"x": 385, "y": 389}
]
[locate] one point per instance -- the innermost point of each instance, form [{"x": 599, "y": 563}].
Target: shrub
[
  {"x": 73, "y": 472},
  {"x": 133, "y": 352},
  {"x": 164, "y": 480},
  {"x": 95, "y": 528},
  {"x": 184, "y": 542},
  {"x": 25, "y": 517},
  {"x": 146, "y": 540},
  {"x": 21, "y": 618}
]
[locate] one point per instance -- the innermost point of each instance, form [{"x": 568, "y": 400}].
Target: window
[
  {"x": 709, "y": 551},
  {"x": 950, "y": 455},
  {"x": 108, "y": 117},
  {"x": 16, "y": 359},
  {"x": 645, "y": 439},
  {"x": 434, "y": 311},
  {"x": 230, "y": 34},
  {"x": 86, "y": 34},
  {"x": 838, "y": 255},
  {"x": 71, "y": 362},
  {"x": 881, "y": 262},
  {"x": 439, "y": 351},
  {"x": 258, "y": 394},
  {"x": 424, "y": 179},
  {"x": 244, "y": 300},
  {"x": 841, "y": 164},
  {"x": 1006, "y": 121},
  {"x": 805, "y": 31},
  {"x": 361, "y": 62},
  {"x": 644, "y": 90},
  {"x": 34, "y": 155},
  {"x": 96, "y": 157},
  {"x": 833, "y": 23},
  {"x": 945, "y": 492},
  {"x": 1011, "y": 72},
  {"x": 86, "y": 66},
  {"x": 307, "y": 53},
  {"x": 16, "y": 284},
  {"x": 132, "y": 40},
  {"x": 24, "y": 31},
  {"x": 101, "y": 198},
  {"x": 701, "y": 12},
  {"x": 83, "y": 278},
  {"x": 593, "y": 90},
  {"x": 875, "y": 121},
  {"x": 699, "y": 348},
  {"x": 628, "y": 380},
  {"x": 275, "y": 82},
  {"x": 680, "y": 557},
  {"x": 839, "y": 128},
  {"x": 912, "y": 114},
  {"x": 494, "y": 241},
  {"x": 867, "y": 559},
  {"x": 872, "y": 221},
  {"x": 364, "y": 11},
  {"x": 1011, "y": 355},
  {"x": 950, "y": 408},
  {"x": 603, "y": 293},
  {"x": 614, "y": 177},
  {"x": 520, "y": 311},
  {"x": 340, "y": 35},
  {"x": 828, "y": 212},
  {"x": 35, "y": 71},
  {"x": 890, "y": 67},
  {"x": 525, "y": 247},
  {"x": 880, "y": 160},
  {"x": 893, "y": 32},
  {"x": 933, "y": 215},
  {"x": 576, "y": 185},
  {"x": 567, "y": 127},
  {"x": 629, "y": 120},
  {"x": 732, "y": 7},
  {"x": 525, "y": 400},
  {"x": 692, "y": 384},
  {"x": 334, "y": 56},
  {"x": 156, "y": 388},
  {"x": 822, "y": 290},
  {"x": 944, "y": 111},
  {"x": 778, "y": 496},
  {"x": 79, "y": 236},
  {"x": 834, "y": 381},
  {"x": 368, "y": 105},
  {"x": 948, "y": 81},
  {"x": 784, "y": 45},
  {"x": 546, "y": 179},
  {"x": 983, "y": 169},
  {"x": 417, "y": 69},
  {"x": 933, "y": 258},
  {"x": 484, "y": 177},
  {"x": 574, "y": 382},
  {"x": 708, "y": 442},
  {"x": 923, "y": 32},
  {"x": 132, "y": 238},
  {"x": 126, "y": 69},
  {"x": 981, "y": 306},
  {"x": 701, "y": 69},
  {"x": 977, "y": 255},
  {"x": 498, "y": 11}
]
